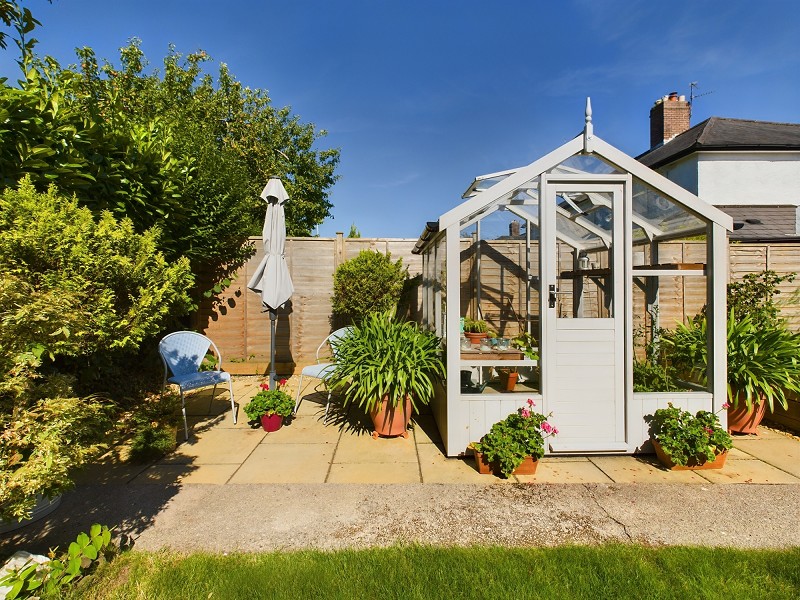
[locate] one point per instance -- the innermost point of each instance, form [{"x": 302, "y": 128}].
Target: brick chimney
[{"x": 668, "y": 117}]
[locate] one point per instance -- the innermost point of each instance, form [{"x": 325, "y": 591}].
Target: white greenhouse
[{"x": 571, "y": 261}]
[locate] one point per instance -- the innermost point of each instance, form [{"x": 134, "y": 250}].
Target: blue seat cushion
[{"x": 192, "y": 381}]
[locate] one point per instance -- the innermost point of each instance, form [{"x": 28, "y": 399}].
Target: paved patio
[{"x": 342, "y": 451}]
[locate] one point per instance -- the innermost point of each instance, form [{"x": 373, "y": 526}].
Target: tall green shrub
[
  {"x": 72, "y": 289},
  {"x": 370, "y": 282}
]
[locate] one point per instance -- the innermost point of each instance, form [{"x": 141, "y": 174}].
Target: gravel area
[{"x": 329, "y": 516}]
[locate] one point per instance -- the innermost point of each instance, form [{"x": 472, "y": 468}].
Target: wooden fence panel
[{"x": 235, "y": 321}]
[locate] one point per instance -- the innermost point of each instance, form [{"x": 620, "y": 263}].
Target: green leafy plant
[
  {"x": 270, "y": 402},
  {"x": 520, "y": 434},
  {"x": 386, "y": 357},
  {"x": 475, "y": 325},
  {"x": 50, "y": 578},
  {"x": 526, "y": 344},
  {"x": 754, "y": 296},
  {"x": 688, "y": 438},
  {"x": 763, "y": 361},
  {"x": 371, "y": 282}
]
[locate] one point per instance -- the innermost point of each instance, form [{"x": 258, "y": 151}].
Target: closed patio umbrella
[{"x": 272, "y": 279}]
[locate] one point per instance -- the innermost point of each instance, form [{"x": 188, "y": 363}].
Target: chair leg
[
  {"x": 299, "y": 399},
  {"x": 233, "y": 404},
  {"x": 183, "y": 410},
  {"x": 327, "y": 406}
]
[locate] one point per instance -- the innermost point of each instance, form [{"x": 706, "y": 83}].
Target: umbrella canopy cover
[{"x": 272, "y": 279}]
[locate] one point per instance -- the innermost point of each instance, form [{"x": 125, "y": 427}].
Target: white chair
[
  {"x": 321, "y": 369},
  {"x": 182, "y": 353}
]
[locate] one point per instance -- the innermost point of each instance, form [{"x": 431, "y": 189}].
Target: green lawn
[{"x": 612, "y": 571}]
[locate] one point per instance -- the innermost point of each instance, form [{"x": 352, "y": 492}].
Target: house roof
[{"x": 718, "y": 133}]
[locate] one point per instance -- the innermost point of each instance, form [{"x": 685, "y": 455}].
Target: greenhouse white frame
[{"x": 584, "y": 371}]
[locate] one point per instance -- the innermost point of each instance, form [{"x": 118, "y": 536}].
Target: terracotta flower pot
[
  {"x": 271, "y": 422},
  {"x": 527, "y": 467},
  {"x": 473, "y": 337},
  {"x": 389, "y": 420},
  {"x": 744, "y": 420},
  {"x": 693, "y": 465}
]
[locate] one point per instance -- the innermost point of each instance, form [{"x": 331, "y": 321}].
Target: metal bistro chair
[
  {"x": 182, "y": 353},
  {"x": 320, "y": 370}
]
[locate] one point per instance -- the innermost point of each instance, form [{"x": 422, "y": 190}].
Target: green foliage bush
[
  {"x": 71, "y": 289},
  {"x": 369, "y": 283}
]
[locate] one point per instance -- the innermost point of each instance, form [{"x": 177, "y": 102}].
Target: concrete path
[{"x": 312, "y": 485}]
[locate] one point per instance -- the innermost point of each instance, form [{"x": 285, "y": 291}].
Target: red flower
[{"x": 283, "y": 382}]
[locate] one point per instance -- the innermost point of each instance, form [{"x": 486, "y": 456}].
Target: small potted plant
[
  {"x": 270, "y": 407},
  {"x": 475, "y": 329},
  {"x": 387, "y": 366},
  {"x": 683, "y": 441},
  {"x": 514, "y": 445}
]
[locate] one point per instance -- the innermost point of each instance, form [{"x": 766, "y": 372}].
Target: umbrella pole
[{"x": 273, "y": 316}]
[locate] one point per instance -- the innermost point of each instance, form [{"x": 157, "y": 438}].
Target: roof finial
[{"x": 588, "y": 130}]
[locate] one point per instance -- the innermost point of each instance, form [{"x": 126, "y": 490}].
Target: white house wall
[
  {"x": 684, "y": 173},
  {"x": 747, "y": 178}
]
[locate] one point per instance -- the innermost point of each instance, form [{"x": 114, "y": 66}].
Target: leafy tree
[
  {"x": 176, "y": 149},
  {"x": 354, "y": 232}
]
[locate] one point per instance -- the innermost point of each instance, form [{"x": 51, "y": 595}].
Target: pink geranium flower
[
  {"x": 531, "y": 402},
  {"x": 525, "y": 413},
  {"x": 726, "y": 405},
  {"x": 546, "y": 427}
]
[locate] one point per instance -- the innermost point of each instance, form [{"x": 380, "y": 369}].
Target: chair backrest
[
  {"x": 332, "y": 339},
  {"x": 184, "y": 351}
]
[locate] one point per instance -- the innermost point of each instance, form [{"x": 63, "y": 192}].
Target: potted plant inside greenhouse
[
  {"x": 387, "y": 367},
  {"x": 514, "y": 445},
  {"x": 270, "y": 407},
  {"x": 475, "y": 329},
  {"x": 683, "y": 441}
]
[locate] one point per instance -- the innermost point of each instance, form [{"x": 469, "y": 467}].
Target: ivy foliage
[{"x": 368, "y": 283}]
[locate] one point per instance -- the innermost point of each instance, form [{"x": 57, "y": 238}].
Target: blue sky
[{"x": 421, "y": 97}]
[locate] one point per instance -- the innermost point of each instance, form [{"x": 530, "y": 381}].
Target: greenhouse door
[{"x": 583, "y": 303}]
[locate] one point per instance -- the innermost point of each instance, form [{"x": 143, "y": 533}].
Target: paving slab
[
  {"x": 392, "y": 472},
  {"x": 437, "y": 468},
  {"x": 217, "y": 446},
  {"x": 630, "y": 469},
  {"x": 304, "y": 430},
  {"x": 566, "y": 471},
  {"x": 178, "y": 473},
  {"x": 748, "y": 471},
  {"x": 285, "y": 463},
  {"x": 775, "y": 449},
  {"x": 365, "y": 449},
  {"x": 425, "y": 430}
]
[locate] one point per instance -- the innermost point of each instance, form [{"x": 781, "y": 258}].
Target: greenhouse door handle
[{"x": 553, "y": 295}]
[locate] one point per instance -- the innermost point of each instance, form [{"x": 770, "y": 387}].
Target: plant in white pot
[{"x": 387, "y": 367}]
